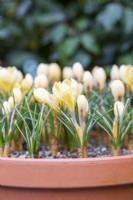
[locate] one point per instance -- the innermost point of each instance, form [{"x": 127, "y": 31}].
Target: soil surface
[{"x": 95, "y": 149}]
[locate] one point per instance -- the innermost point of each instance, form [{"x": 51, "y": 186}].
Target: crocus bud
[
  {"x": 78, "y": 71},
  {"x": 99, "y": 76},
  {"x": 41, "y": 81},
  {"x": 43, "y": 69},
  {"x": 114, "y": 73},
  {"x": 117, "y": 89},
  {"x": 118, "y": 109},
  {"x": 42, "y": 95},
  {"x": 83, "y": 106},
  {"x": 11, "y": 102},
  {"x": 29, "y": 79},
  {"x": 17, "y": 93},
  {"x": 129, "y": 76},
  {"x": 27, "y": 83},
  {"x": 54, "y": 72},
  {"x": 20, "y": 76},
  {"x": 67, "y": 73},
  {"x": 88, "y": 82},
  {"x": 39, "y": 94},
  {"x": 13, "y": 74},
  {"x": 6, "y": 108},
  {"x": 122, "y": 72}
]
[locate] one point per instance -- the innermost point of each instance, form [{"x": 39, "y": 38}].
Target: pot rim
[
  {"x": 66, "y": 173},
  {"x": 95, "y": 159}
]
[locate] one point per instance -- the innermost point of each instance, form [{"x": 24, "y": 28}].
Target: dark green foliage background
[{"x": 93, "y": 32}]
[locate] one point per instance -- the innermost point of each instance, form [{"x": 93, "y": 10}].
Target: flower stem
[
  {"x": 82, "y": 152},
  {"x": 6, "y": 150},
  {"x": 116, "y": 152},
  {"x": 54, "y": 147}
]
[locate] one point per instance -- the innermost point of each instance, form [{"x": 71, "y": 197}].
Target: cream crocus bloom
[
  {"x": 43, "y": 96},
  {"x": 20, "y": 76},
  {"x": 118, "y": 109},
  {"x": 83, "y": 107},
  {"x": 117, "y": 89},
  {"x": 40, "y": 94},
  {"x": 8, "y": 78},
  {"x": 41, "y": 81},
  {"x": 129, "y": 77},
  {"x": 54, "y": 72},
  {"x": 43, "y": 68},
  {"x": 67, "y": 73},
  {"x": 78, "y": 71},
  {"x": 68, "y": 91},
  {"x": 99, "y": 76},
  {"x": 122, "y": 72},
  {"x": 11, "y": 102},
  {"x": 18, "y": 96},
  {"x": 88, "y": 81},
  {"x": 27, "y": 83},
  {"x": 114, "y": 73},
  {"x": 6, "y": 108}
]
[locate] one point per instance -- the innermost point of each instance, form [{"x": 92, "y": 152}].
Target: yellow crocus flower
[
  {"x": 26, "y": 83},
  {"x": 68, "y": 91},
  {"x": 129, "y": 76},
  {"x": 8, "y": 79},
  {"x": 43, "y": 96}
]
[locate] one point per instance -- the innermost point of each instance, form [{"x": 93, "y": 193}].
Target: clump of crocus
[
  {"x": 117, "y": 89},
  {"x": 69, "y": 92},
  {"x": 119, "y": 126},
  {"x": 99, "y": 76},
  {"x": 88, "y": 82},
  {"x": 78, "y": 71},
  {"x": 44, "y": 97},
  {"x": 114, "y": 73}
]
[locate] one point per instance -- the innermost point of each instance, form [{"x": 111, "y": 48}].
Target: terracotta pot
[{"x": 67, "y": 179}]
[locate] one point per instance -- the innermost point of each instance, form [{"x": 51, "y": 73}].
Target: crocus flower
[
  {"x": 41, "y": 81},
  {"x": 43, "y": 69},
  {"x": 78, "y": 71},
  {"x": 54, "y": 72},
  {"x": 68, "y": 91},
  {"x": 129, "y": 77},
  {"x": 117, "y": 89}
]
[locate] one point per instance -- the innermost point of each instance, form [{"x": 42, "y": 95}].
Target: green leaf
[
  {"x": 82, "y": 23},
  {"x": 128, "y": 20},
  {"x": 89, "y": 43},
  {"x": 49, "y": 18},
  {"x": 69, "y": 46},
  {"x": 56, "y": 34},
  {"x": 125, "y": 59},
  {"x": 110, "y": 16}
]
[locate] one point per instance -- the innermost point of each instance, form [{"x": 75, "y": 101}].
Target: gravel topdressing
[{"x": 94, "y": 150}]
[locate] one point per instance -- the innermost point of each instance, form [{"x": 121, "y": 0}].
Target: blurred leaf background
[{"x": 93, "y": 32}]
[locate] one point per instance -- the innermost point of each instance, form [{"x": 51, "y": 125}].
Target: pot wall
[{"x": 93, "y": 178}]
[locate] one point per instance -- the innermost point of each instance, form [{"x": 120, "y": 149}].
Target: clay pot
[{"x": 63, "y": 179}]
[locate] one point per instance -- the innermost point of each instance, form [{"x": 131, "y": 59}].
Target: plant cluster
[
  {"x": 64, "y": 108},
  {"x": 94, "y": 32}
]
